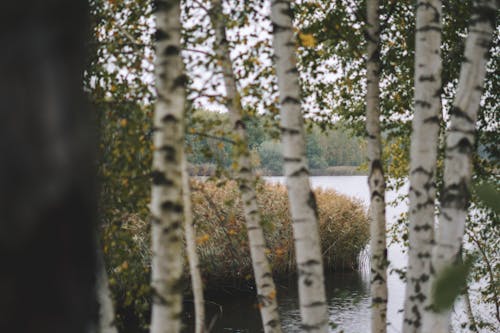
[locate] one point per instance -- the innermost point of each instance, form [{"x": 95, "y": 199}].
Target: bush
[{"x": 222, "y": 239}]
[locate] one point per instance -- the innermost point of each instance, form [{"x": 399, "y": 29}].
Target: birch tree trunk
[
  {"x": 376, "y": 181},
  {"x": 459, "y": 147},
  {"x": 423, "y": 158},
  {"x": 167, "y": 208},
  {"x": 313, "y": 307},
  {"x": 194, "y": 265},
  {"x": 245, "y": 177},
  {"x": 106, "y": 311}
]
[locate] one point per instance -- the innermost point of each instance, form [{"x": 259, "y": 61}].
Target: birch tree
[
  {"x": 194, "y": 263},
  {"x": 460, "y": 143},
  {"x": 303, "y": 209},
  {"x": 167, "y": 208},
  {"x": 106, "y": 323},
  {"x": 376, "y": 181},
  {"x": 245, "y": 177},
  {"x": 423, "y": 159}
]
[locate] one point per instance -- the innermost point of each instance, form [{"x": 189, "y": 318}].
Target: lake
[{"x": 347, "y": 293}]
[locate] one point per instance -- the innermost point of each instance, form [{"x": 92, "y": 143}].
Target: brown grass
[{"x": 223, "y": 244}]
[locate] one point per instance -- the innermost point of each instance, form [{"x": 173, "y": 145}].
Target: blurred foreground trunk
[{"x": 47, "y": 188}]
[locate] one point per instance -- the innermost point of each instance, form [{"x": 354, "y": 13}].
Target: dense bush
[{"x": 223, "y": 245}]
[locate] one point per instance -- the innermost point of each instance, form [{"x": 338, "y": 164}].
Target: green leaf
[
  {"x": 450, "y": 283},
  {"x": 488, "y": 194}
]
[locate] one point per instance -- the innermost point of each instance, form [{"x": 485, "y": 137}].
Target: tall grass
[{"x": 222, "y": 241}]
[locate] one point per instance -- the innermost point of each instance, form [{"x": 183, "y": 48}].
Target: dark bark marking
[
  {"x": 300, "y": 172},
  {"x": 171, "y": 50},
  {"x": 171, "y": 228},
  {"x": 180, "y": 82},
  {"x": 239, "y": 124},
  {"x": 291, "y": 131},
  {"x": 433, "y": 119},
  {"x": 161, "y": 35},
  {"x": 455, "y": 111},
  {"x": 456, "y": 195},
  {"x": 290, "y": 100},
  {"x": 423, "y": 104},
  {"x": 311, "y": 202},
  {"x": 169, "y": 118},
  {"x": 159, "y": 178},
  {"x": 170, "y": 152},
  {"x": 169, "y": 205},
  {"x": 425, "y": 78}
]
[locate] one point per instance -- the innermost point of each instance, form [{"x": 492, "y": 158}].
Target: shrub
[{"x": 222, "y": 239}]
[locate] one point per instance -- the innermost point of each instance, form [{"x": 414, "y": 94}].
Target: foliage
[
  {"x": 209, "y": 143},
  {"x": 449, "y": 284}
]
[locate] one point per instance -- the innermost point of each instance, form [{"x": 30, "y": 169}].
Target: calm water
[
  {"x": 349, "y": 308},
  {"x": 347, "y": 293}
]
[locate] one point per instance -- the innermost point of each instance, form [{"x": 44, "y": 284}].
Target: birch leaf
[
  {"x": 449, "y": 284},
  {"x": 307, "y": 40},
  {"x": 489, "y": 195}
]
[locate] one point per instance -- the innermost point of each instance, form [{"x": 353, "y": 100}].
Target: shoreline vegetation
[
  {"x": 223, "y": 245},
  {"x": 210, "y": 170}
]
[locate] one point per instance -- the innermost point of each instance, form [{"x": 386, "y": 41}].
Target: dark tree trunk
[{"x": 47, "y": 187}]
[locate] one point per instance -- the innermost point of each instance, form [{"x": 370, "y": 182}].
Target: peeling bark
[
  {"x": 460, "y": 138},
  {"x": 376, "y": 181},
  {"x": 167, "y": 207},
  {"x": 312, "y": 299},
  {"x": 423, "y": 159},
  {"x": 245, "y": 177}
]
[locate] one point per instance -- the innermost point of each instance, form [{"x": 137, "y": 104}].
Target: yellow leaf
[
  {"x": 202, "y": 239},
  {"x": 123, "y": 122},
  {"x": 307, "y": 40}
]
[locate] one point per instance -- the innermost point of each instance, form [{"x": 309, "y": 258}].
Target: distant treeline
[{"x": 330, "y": 151}]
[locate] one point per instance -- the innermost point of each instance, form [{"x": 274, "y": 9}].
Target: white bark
[
  {"x": 459, "y": 147},
  {"x": 167, "y": 207},
  {"x": 376, "y": 181},
  {"x": 245, "y": 177},
  {"x": 106, "y": 310},
  {"x": 312, "y": 299},
  {"x": 194, "y": 265},
  {"x": 423, "y": 158}
]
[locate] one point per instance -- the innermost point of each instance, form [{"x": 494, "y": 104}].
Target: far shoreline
[{"x": 209, "y": 170}]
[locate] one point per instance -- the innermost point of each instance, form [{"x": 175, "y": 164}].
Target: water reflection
[
  {"x": 348, "y": 304},
  {"x": 348, "y": 301}
]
